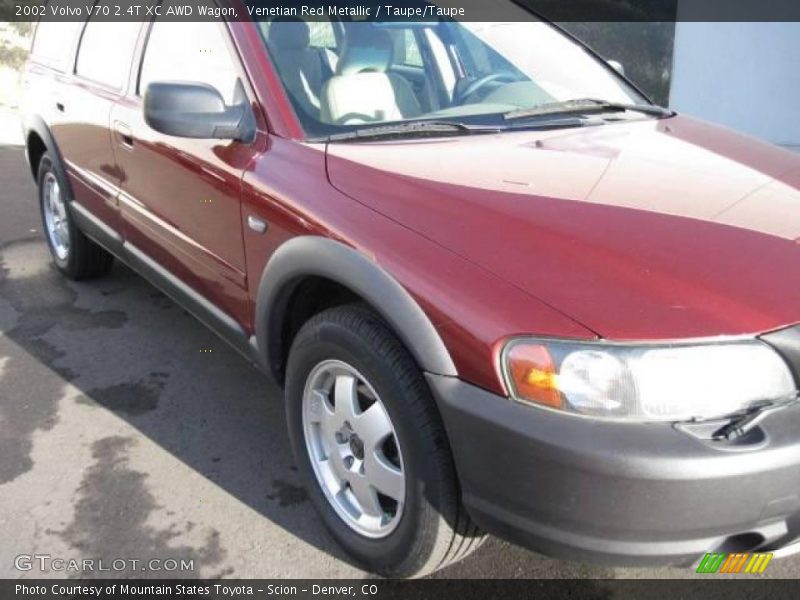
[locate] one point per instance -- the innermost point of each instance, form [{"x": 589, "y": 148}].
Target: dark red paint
[{"x": 648, "y": 230}]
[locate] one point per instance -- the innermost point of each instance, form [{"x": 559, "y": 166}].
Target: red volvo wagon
[{"x": 504, "y": 291}]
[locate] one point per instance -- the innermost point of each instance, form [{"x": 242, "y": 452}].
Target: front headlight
[{"x": 675, "y": 382}]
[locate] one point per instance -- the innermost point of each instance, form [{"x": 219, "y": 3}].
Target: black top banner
[{"x": 403, "y": 10}]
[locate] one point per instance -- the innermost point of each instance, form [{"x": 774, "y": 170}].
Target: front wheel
[
  {"x": 75, "y": 255},
  {"x": 371, "y": 448}
]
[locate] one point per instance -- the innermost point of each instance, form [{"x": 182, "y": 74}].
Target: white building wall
[{"x": 742, "y": 75}]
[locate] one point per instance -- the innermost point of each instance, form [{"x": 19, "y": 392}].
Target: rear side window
[
  {"x": 106, "y": 52},
  {"x": 189, "y": 52},
  {"x": 53, "y": 43},
  {"x": 321, "y": 35},
  {"x": 406, "y": 48}
]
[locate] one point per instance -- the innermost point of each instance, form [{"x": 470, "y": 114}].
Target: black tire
[
  {"x": 434, "y": 529},
  {"x": 85, "y": 259}
]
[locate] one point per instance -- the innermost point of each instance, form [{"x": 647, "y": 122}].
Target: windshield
[{"x": 344, "y": 76}]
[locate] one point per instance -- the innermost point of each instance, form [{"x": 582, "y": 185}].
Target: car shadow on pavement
[{"x": 130, "y": 350}]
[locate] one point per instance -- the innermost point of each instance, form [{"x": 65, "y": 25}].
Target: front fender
[{"x": 312, "y": 256}]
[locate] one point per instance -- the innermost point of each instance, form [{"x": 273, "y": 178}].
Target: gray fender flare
[
  {"x": 314, "y": 256},
  {"x": 35, "y": 124}
]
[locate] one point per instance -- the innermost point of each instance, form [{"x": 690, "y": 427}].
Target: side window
[
  {"x": 52, "y": 45},
  {"x": 106, "y": 51},
  {"x": 413, "y": 57},
  {"x": 474, "y": 54},
  {"x": 321, "y": 35},
  {"x": 479, "y": 58},
  {"x": 406, "y": 48},
  {"x": 189, "y": 52}
]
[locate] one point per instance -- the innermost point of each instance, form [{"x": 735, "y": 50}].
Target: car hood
[{"x": 651, "y": 229}]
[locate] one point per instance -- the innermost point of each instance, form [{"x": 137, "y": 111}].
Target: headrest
[
  {"x": 289, "y": 34},
  {"x": 365, "y": 49}
]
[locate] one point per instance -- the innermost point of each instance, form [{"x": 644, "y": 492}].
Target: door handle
[{"x": 124, "y": 134}]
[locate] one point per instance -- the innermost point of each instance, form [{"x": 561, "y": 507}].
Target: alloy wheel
[
  {"x": 55, "y": 216},
  {"x": 353, "y": 448}
]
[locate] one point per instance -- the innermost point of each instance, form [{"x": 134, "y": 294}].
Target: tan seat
[
  {"x": 299, "y": 66},
  {"x": 363, "y": 91}
]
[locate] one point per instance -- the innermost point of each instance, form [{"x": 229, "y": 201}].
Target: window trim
[
  {"x": 66, "y": 66},
  {"x": 142, "y": 53}
]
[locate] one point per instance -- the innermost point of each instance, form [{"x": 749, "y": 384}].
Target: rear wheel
[
  {"x": 371, "y": 448},
  {"x": 75, "y": 255}
]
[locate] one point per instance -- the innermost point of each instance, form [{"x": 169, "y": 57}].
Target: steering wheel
[{"x": 482, "y": 81}]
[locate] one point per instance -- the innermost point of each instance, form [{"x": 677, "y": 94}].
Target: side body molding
[{"x": 314, "y": 256}]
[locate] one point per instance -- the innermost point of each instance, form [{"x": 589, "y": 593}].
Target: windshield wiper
[
  {"x": 410, "y": 128},
  {"x": 585, "y": 106}
]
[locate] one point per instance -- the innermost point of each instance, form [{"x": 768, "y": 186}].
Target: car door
[
  {"x": 180, "y": 199},
  {"x": 82, "y": 100}
]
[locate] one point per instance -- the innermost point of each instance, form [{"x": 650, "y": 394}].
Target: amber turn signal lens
[{"x": 533, "y": 375}]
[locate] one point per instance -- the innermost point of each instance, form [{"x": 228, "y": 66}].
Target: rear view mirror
[{"x": 196, "y": 110}]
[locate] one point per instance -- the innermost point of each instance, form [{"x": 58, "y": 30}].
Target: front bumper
[{"x": 618, "y": 493}]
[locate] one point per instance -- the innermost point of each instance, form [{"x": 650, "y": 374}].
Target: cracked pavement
[{"x": 121, "y": 436}]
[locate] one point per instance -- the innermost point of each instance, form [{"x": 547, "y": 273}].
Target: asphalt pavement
[{"x": 129, "y": 431}]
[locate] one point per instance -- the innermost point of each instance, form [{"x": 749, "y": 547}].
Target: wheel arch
[
  {"x": 38, "y": 140},
  {"x": 306, "y": 258}
]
